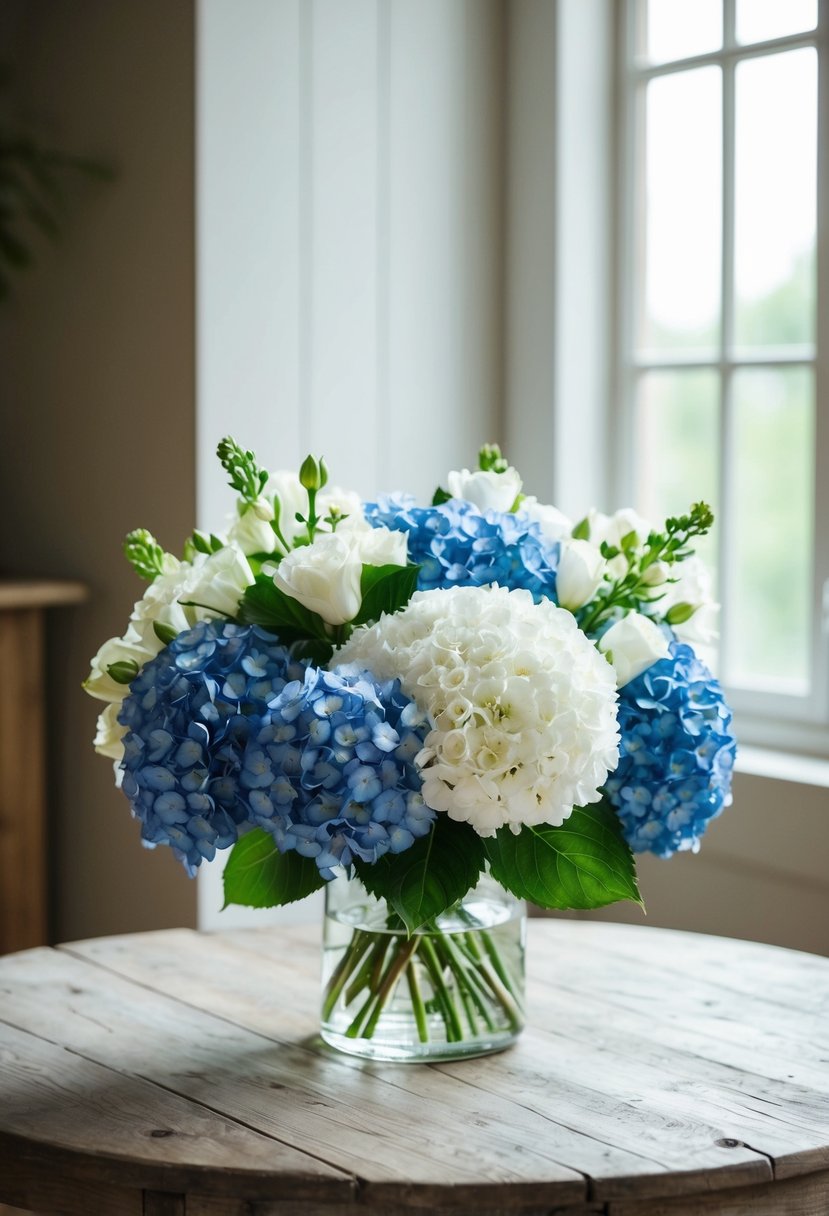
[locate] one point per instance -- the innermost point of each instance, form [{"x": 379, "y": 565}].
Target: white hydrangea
[{"x": 523, "y": 705}]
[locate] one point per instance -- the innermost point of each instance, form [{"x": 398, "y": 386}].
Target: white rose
[
  {"x": 324, "y": 577},
  {"x": 581, "y": 571},
  {"x": 635, "y": 643},
  {"x": 218, "y": 583},
  {"x": 486, "y": 489},
  {"x": 553, "y": 523},
  {"x": 109, "y": 734}
]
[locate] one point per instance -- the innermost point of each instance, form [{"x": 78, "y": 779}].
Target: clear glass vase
[{"x": 455, "y": 988}]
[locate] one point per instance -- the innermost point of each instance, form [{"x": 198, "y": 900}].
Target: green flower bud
[{"x": 313, "y": 474}]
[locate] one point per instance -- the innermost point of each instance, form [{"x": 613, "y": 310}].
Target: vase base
[{"x": 418, "y": 1053}]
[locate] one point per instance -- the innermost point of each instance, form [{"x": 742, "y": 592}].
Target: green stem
[
  {"x": 357, "y": 947},
  {"x": 418, "y": 1006},
  {"x": 454, "y": 1029},
  {"x": 368, "y": 974},
  {"x": 400, "y": 960}
]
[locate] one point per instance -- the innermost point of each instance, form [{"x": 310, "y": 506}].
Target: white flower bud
[{"x": 581, "y": 570}]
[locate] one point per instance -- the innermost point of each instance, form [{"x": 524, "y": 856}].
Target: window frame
[{"x": 764, "y": 717}]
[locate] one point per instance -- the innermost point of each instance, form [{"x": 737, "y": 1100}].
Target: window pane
[
  {"x": 680, "y": 223},
  {"x": 770, "y": 615},
  {"x": 678, "y": 447},
  {"x": 761, "y": 19},
  {"x": 674, "y": 29},
  {"x": 775, "y": 199}
]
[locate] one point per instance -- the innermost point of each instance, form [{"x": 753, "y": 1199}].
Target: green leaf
[
  {"x": 165, "y": 633},
  {"x": 385, "y": 589},
  {"x": 123, "y": 672},
  {"x": 582, "y": 529},
  {"x": 259, "y": 876},
  {"x": 440, "y": 496},
  {"x": 265, "y": 604},
  {"x": 584, "y": 863},
  {"x": 429, "y": 877}
]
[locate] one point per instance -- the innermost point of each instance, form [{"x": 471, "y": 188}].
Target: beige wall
[{"x": 97, "y": 351}]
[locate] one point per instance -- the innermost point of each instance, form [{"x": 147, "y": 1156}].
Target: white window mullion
[
  {"x": 821, "y": 366},
  {"x": 725, "y": 523}
]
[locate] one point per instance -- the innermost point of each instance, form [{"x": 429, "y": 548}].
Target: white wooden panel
[
  {"x": 530, "y": 279},
  {"x": 559, "y": 262},
  {"x": 343, "y": 273},
  {"x": 439, "y": 411},
  {"x": 248, "y": 206}
]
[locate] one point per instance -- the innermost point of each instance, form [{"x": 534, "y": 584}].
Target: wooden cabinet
[{"x": 23, "y": 893}]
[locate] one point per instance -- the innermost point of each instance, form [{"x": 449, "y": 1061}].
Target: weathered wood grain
[
  {"x": 616, "y": 1144},
  {"x": 806, "y": 1196},
  {"x": 62, "y": 1111},
  {"x": 23, "y": 912},
  {"x": 646, "y": 1085},
  {"x": 287, "y": 1091}
]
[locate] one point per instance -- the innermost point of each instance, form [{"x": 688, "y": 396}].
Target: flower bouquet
[{"x": 435, "y": 711}]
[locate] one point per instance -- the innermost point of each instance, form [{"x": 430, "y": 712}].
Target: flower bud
[
  {"x": 581, "y": 570},
  {"x": 313, "y": 473}
]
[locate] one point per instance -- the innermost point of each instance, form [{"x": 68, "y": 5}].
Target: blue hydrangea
[
  {"x": 189, "y": 715},
  {"x": 331, "y": 771},
  {"x": 457, "y": 544},
  {"x": 677, "y": 754}
]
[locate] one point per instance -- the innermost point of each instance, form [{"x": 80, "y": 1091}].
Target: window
[{"x": 722, "y": 307}]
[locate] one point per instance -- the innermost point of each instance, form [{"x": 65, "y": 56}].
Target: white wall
[{"x": 349, "y": 244}]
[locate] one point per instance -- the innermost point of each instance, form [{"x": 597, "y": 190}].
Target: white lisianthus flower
[
  {"x": 217, "y": 584},
  {"x": 251, "y": 529},
  {"x": 109, "y": 734},
  {"x": 486, "y": 489},
  {"x": 694, "y": 586},
  {"x": 612, "y": 528},
  {"x": 554, "y": 524},
  {"x": 633, "y": 645},
  {"x": 381, "y": 547},
  {"x": 523, "y": 705},
  {"x": 581, "y": 571},
  {"x": 325, "y": 576},
  {"x": 135, "y": 648},
  {"x": 253, "y": 533}
]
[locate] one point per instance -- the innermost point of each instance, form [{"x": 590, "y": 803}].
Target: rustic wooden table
[{"x": 180, "y": 1074}]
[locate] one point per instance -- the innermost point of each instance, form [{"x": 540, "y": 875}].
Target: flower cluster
[
  {"x": 677, "y": 754},
  {"x": 330, "y": 773},
  {"x": 457, "y": 544},
  {"x": 188, "y": 717},
  {"x": 330, "y": 685},
  {"x": 523, "y": 705}
]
